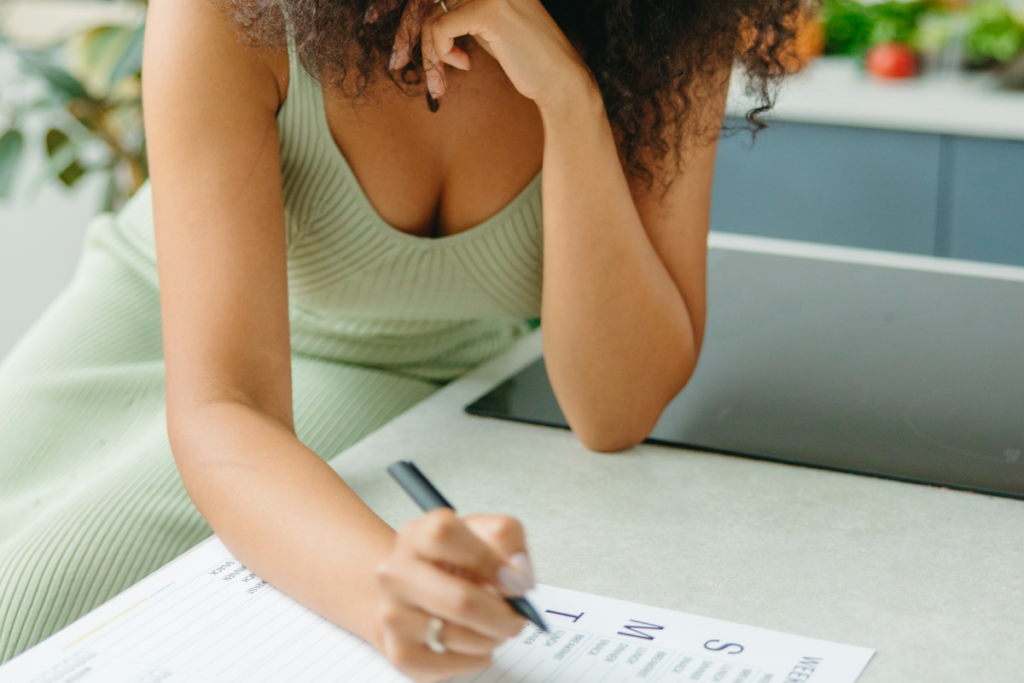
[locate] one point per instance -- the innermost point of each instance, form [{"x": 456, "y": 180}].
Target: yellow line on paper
[{"x": 103, "y": 625}]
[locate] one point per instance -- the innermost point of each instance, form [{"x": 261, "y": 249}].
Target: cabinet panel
[
  {"x": 987, "y": 200},
  {"x": 849, "y": 186}
]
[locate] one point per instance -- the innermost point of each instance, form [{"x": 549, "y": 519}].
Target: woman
[{"x": 304, "y": 303}]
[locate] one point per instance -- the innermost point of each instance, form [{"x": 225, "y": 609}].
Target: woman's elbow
[
  {"x": 627, "y": 422},
  {"x": 609, "y": 440},
  {"x": 617, "y": 429}
]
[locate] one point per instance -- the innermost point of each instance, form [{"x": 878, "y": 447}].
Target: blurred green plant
[
  {"x": 990, "y": 32},
  {"x": 851, "y": 27},
  {"x": 937, "y": 28},
  {"x": 847, "y": 27},
  {"x": 993, "y": 34},
  {"x": 897, "y": 22},
  {"x": 92, "y": 106}
]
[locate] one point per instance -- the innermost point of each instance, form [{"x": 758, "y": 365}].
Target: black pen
[{"x": 429, "y": 498}]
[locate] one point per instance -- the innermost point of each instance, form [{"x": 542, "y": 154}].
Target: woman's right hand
[{"x": 457, "y": 570}]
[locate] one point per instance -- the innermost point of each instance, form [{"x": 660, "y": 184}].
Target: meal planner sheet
[{"x": 205, "y": 617}]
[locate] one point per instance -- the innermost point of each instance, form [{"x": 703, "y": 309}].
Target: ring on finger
[{"x": 434, "y": 628}]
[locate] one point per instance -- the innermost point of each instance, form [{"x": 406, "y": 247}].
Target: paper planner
[{"x": 205, "y": 617}]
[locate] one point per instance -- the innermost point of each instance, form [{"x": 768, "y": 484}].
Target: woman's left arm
[
  {"x": 624, "y": 273},
  {"x": 624, "y": 267}
]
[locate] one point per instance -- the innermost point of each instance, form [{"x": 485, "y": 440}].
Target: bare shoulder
[
  {"x": 196, "y": 44},
  {"x": 210, "y": 105}
]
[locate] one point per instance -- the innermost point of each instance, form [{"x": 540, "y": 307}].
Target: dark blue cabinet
[
  {"x": 919, "y": 193},
  {"x": 986, "y": 202}
]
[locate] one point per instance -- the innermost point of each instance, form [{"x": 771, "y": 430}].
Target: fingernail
[
  {"x": 392, "y": 60},
  {"x": 521, "y": 561},
  {"x": 512, "y": 581}
]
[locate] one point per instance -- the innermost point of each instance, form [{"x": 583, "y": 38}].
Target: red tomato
[{"x": 891, "y": 60}]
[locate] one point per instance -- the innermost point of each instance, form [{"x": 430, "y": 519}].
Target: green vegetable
[
  {"x": 851, "y": 28},
  {"x": 896, "y": 22},
  {"x": 992, "y": 33},
  {"x": 935, "y": 29},
  {"x": 847, "y": 27}
]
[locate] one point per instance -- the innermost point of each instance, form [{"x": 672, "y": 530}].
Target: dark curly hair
[{"x": 655, "y": 61}]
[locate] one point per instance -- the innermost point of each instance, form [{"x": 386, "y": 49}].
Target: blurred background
[
  {"x": 901, "y": 129},
  {"x": 71, "y": 140}
]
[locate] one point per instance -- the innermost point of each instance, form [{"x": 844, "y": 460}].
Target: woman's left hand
[{"x": 520, "y": 34}]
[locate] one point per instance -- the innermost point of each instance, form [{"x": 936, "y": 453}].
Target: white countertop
[
  {"x": 837, "y": 91},
  {"x": 929, "y": 577}
]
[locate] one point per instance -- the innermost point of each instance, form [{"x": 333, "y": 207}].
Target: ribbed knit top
[
  {"x": 363, "y": 291},
  {"x": 345, "y": 258}
]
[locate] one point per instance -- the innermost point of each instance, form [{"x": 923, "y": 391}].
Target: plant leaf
[
  {"x": 90, "y": 49},
  {"x": 12, "y": 143},
  {"x": 61, "y": 80},
  {"x": 72, "y": 174},
  {"x": 64, "y": 162},
  {"x": 55, "y": 140},
  {"x": 130, "y": 63}
]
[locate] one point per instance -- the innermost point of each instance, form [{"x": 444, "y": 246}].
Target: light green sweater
[{"x": 90, "y": 500}]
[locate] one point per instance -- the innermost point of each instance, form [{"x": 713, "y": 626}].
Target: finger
[
  {"x": 440, "y": 536},
  {"x": 502, "y": 533},
  {"x": 410, "y": 623},
  {"x": 506, "y": 536},
  {"x": 444, "y": 48},
  {"x": 453, "y": 598},
  {"x": 418, "y": 662},
  {"x": 456, "y": 57},
  {"x": 432, "y": 67},
  {"x": 469, "y": 20},
  {"x": 406, "y": 37}
]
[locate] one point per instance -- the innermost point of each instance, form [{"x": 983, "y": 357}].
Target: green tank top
[{"x": 363, "y": 292}]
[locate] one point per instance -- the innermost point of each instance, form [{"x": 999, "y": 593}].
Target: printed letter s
[{"x": 726, "y": 648}]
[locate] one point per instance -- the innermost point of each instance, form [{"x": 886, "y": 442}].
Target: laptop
[{"x": 908, "y": 373}]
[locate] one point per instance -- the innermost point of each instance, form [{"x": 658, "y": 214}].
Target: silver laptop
[{"x": 875, "y": 370}]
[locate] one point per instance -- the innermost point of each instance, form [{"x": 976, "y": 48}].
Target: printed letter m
[{"x": 639, "y": 629}]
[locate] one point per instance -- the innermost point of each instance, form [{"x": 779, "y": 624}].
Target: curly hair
[{"x": 656, "y": 61}]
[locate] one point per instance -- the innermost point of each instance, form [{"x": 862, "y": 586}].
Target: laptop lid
[{"x": 882, "y": 371}]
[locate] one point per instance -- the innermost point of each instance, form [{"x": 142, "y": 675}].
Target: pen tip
[{"x": 523, "y": 606}]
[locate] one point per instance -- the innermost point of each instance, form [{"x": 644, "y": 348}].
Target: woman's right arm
[{"x": 210, "y": 108}]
